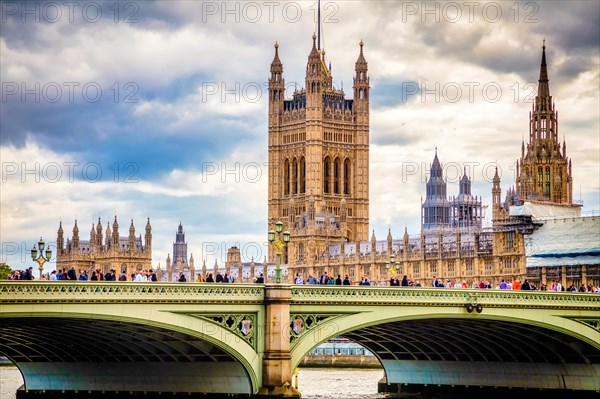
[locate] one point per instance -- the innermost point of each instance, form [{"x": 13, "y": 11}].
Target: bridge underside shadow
[
  {"x": 67, "y": 354},
  {"x": 481, "y": 353}
]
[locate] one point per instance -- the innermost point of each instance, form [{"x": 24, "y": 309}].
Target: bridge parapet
[
  {"x": 315, "y": 294},
  {"x": 123, "y": 292}
]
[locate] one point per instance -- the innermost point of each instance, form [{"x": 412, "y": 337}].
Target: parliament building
[
  {"x": 105, "y": 251},
  {"x": 319, "y": 188}
]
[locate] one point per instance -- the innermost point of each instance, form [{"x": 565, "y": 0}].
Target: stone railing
[
  {"x": 128, "y": 292},
  {"x": 325, "y": 295}
]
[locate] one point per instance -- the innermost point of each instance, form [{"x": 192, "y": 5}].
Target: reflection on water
[
  {"x": 339, "y": 383},
  {"x": 313, "y": 383},
  {"x": 10, "y": 380}
]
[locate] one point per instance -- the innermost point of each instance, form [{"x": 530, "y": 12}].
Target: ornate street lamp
[
  {"x": 41, "y": 259},
  {"x": 391, "y": 264},
  {"x": 279, "y": 242}
]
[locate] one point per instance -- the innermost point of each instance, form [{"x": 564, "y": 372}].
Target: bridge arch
[
  {"x": 73, "y": 346},
  {"x": 444, "y": 345}
]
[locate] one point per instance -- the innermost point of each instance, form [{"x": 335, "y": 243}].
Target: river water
[
  {"x": 313, "y": 383},
  {"x": 327, "y": 383}
]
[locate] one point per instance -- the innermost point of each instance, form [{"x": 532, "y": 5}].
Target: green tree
[{"x": 5, "y": 271}]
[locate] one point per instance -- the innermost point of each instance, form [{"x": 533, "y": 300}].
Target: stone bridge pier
[{"x": 277, "y": 360}]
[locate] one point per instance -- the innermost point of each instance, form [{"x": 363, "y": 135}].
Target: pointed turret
[
  {"x": 316, "y": 81},
  {"x": 361, "y": 82},
  {"x": 115, "y": 234},
  {"x": 131, "y": 237},
  {"x": 276, "y": 87},
  {"x": 108, "y": 235},
  {"x": 543, "y": 87},
  {"x": 169, "y": 268},
  {"x": 148, "y": 237},
  {"x": 75, "y": 237},
  {"x": 496, "y": 194},
  {"x": 99, "y": 234},
  {"x": 465, "y": 184},
  {"x": 60, "y": 240},
  {"x": 93, "y": 238}
]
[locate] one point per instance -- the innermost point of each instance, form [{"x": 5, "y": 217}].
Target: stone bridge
[{"x": 247, "y": 339}]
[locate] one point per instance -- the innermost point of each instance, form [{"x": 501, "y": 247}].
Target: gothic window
[
  {"x": 433, "y": 267},
  {"x": 469, "y": 265},
  {"x": 302, "y": 175},
  {"x": 543, "y": 130},
  {"x": 547, "y": 180},
  {"x": 540, "y": 181},
  {"x": 286, "y": 178},
  {"x": 336, "y": 176},
  {"x": 294, "y": 176},
  {"x": 326, "y": 163},
  {"x": 300, "y": 252},
  {"x": 347, "y": 176},
  {"x": 510, "y": 239}
]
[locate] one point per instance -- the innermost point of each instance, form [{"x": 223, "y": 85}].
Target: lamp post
[
  {"x": 41, "y": 259},
  {"x": 391, "y": 264},
  {"x": 279, "y": 243}
]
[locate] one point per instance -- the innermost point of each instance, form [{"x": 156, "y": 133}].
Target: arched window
[
  {"x": 540, "y": 179},
  {"x": 302, "y": 175},
  {"x": 294, "y": 176},
  {"x": 286, "y": 177},
  {"x": 336, "y": 175},
  {"x": 347, "y": 176},
  {"x": 326, "y": 168},
  {"x": 547, "y": 180},
  {"x": 300, "y": 252}
]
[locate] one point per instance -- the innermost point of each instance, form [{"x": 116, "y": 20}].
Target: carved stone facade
[
  {"x": 325, "y": 208},
  {"x": 318, "y": 158},
  {"x": 544, "y": 171},
  {"x": 105, "y": 252}
]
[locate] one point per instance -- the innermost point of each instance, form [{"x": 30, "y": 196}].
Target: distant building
[
  {"x": 439, "y": 212},
  {"x": 104, "y": 252},
  {"x": 179, "y": 262}
]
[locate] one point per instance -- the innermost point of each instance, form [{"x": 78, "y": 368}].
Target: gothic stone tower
[
  {"x": 318, "y": 159},
  {"x": 544, "y": 171},
  {"x": 180, "y": 248},
  {"x": 436, "y": 208}
]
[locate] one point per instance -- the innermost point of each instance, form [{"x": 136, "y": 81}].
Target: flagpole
[{"x": 319, "y": 24}]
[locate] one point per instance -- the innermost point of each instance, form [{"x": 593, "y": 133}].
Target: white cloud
[{"x": 173, "y": 56}]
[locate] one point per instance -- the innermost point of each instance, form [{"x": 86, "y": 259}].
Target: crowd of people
[{"x": 323, "y": 279}]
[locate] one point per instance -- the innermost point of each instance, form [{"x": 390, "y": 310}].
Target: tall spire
[
  {"x": 543, "y": 87},
  {"x": 319, "y": 23}
]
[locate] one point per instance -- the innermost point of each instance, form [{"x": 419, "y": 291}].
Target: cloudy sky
[{"x": 159, "y": 108}]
